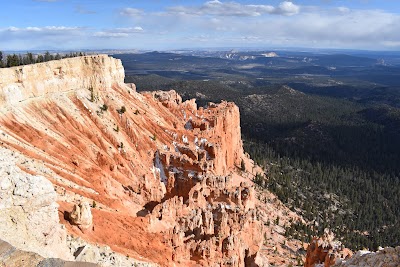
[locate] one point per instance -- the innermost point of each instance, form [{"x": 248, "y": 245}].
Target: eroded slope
[{"x": 162, "y": 177}]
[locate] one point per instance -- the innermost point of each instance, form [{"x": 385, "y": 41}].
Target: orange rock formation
[
  {"x": 326, "y": 251},
  {"x": 161, "y": 175}
]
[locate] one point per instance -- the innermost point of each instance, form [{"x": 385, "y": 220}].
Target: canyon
[
  {"x": 93, "y": 171},
  {"x": 150, "y": 176}
]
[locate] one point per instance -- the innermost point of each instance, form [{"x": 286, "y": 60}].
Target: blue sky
[{"x": 174, "y": 24}]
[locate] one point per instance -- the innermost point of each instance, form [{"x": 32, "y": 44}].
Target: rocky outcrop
[
  {"x": 90, "y": 72},
  {"x": 28, "y": 211},
  {"x": 225, "y": 122},
  {"x": 101, "y": 255},
  {"x": 385, "y": 257},
  {"x": 217, "y": 144},
  {"x": 326, "y": 251},
  {"x": 218, "y": 224},
  {"x": 11, "y": 256},
  {"x": 81, "y": 215}
]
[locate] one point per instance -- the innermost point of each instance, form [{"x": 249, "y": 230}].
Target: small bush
[
  {"x": 92, "y": 97},
  {"x": 242, "y": 166},
  {"x": 104, "y": 107},
  {"x": 122, "y": 110}
]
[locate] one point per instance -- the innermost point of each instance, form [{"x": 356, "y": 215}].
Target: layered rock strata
[{"x": 161, "y": 176}]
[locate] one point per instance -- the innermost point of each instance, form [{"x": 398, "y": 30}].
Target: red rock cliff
[{"x": 160, "y": 174}]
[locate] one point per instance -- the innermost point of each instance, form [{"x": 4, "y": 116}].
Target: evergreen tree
[
  {"x": 47, "y": 56},
  {"x": 12, "y": 60},
  {"x": 29, "y": 58},
  {"x": 39, "y": 59}
]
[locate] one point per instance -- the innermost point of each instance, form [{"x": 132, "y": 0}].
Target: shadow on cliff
[{"x": 147, "y": 209}]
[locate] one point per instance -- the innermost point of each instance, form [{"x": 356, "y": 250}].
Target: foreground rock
[
  {"x": 326, "y": 251},
  {"x": 10, "y": 256},
  {"x": 81, "y": 216},
  {"x": 385, "y": 257},
  {"x": 28, "y": 211},
  {"x": 218, "y": 224}
]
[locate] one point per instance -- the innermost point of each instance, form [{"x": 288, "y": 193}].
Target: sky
[{"x": 177, "y": 24}]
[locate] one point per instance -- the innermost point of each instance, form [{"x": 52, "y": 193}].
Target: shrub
[
  {"x": 122, "y": 110},
  {"x": 92, "y": 97},
  {"x": 104, "y": 107},
  {"x": 242, "y": 166}
]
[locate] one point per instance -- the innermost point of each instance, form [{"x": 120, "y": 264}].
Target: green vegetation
[
  {"x": 122, "y": 110},
  {"x": 104, "y": 107},
  {"x": 12, "y": 60},
  {"x": 359, "y": 206},
  {"x": 242, "y": 166},
  {"x": 92, "y": 96}
]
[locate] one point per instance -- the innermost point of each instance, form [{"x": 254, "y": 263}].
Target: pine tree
[
  {"x": 30, "y": 59},
  {"x": 12, "y": 60},
  {"x": 47, "y": 56},
  {"x": 39, "y": 59}
]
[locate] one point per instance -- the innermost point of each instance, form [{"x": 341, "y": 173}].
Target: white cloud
[
  {"x": 32, "y": 37},
  {"x": 287, "y": 8},
  {"x": 343, "y": 9},
  {"x": 131, "y": 12},
  {"x": 110, "y": 34},
  {"x": 222, "y": 24},
  {"x": 231, "y": 24},
  {"x": 218, "y": 8},
  {"x": 130, "y": 30},
  {"x": 47, "y": 29},
  {"x": 118, "y": 32}
]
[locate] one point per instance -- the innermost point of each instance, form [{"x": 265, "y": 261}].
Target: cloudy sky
[{"x": 174, "y": 24}]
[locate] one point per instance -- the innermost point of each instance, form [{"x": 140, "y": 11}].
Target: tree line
[{"x": 12, "y": 60}]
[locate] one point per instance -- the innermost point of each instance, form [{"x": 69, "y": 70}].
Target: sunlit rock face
[{"x": 150, "y": 176}]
